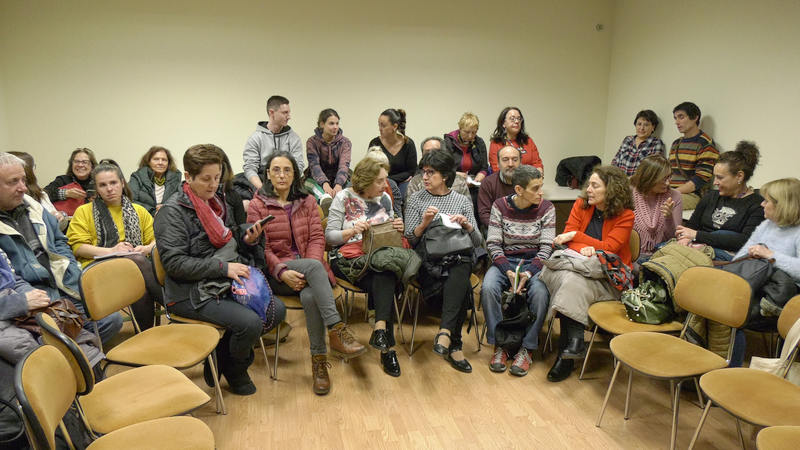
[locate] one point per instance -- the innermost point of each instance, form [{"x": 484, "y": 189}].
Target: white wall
[
  {"x": 737, "y": 60},
  {"x": 121, "y": 76}
]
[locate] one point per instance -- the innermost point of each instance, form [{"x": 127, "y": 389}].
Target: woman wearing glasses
[
  {"x": 76, "y": 184},
  {"x": 511, "y": 131}
]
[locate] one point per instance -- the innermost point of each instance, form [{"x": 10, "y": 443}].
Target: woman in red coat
[
  {"x": 294, "y": 250},
  {"x": 601, "y": 219}
]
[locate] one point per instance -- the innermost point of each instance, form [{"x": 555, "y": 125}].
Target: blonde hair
[
  {"x": 376, "y": 153},
  {"x": 785, "y": 194},
  {"x": 366, "y": 172},
  {"x": 468, "y": 120}
]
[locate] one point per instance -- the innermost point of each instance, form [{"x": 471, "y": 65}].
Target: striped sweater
[
  {"x": 520, "y": 233},
  {"x": 693, "y": 159}
]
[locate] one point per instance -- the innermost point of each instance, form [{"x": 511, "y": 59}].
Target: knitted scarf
[
  {"x": 649, "y": 222},
  {"x": 107, "y": 234},
  {"x": 211, "y": 214}
]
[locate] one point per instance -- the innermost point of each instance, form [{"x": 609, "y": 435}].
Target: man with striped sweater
[
  {"x": 522, "y": 227},
  {"x": 692, "y": 157}
]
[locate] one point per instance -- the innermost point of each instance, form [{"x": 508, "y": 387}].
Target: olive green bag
[{"x": 648, "y": 303}]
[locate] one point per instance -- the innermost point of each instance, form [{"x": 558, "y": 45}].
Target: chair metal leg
[
  {"x": 628, "y": 395},
  {"x": 741, "y": 436},
  {"x": 414, "y": 326},
  {"x": 220, "y": 401},
  {"x": 608, "y": 392},
  {"x": 699, "y": 392},
  {"x": 548, "y": 342},
  {"x": 484, "y": 330},
  {"x": 474, "y": 320},
  {"x": 66, "y": 436},
  {"x": 86, "y": 425},
  {"x": 277, "y": 344},
  {"x": 266, "y": 358},
  {"x": 671, "y": 390},
  {"x": 675, "y": 405},
  {"x": 399, "y": 322},
  {"x": 588, "y": 352},
  {"x": 700, "y": 424}
]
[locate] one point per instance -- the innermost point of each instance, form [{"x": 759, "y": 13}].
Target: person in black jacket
[
  {"x": 202, "y": 249},
  {"x": 79, "y": 170},
  {"x": 156, "y": 180}
]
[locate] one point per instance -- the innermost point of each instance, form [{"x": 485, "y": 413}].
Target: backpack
[{"x": 509, "y": 332}]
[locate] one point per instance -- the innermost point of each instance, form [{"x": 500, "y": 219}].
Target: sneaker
[
  {"x": 325, "y": 203},
  {"x": 522, "y": 362},
  {"x": 498, "y": 362}
]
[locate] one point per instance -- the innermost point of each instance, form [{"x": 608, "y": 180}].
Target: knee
[{"x": 280, "y": 310}]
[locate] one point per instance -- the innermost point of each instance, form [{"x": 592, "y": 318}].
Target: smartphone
[{"x": 264, "y": 221}]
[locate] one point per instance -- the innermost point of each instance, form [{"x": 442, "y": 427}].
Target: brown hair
[
  {"x": 111, "y": 166},
  {"x": 651, "y": 171},
  {"x": 618, "y": 191},
  {"x": 785, "y": 194},
  {"x": 145, "y": 161},
  {"x": 365, "y": 173},
  {"x": 198, "y": 156},
  {"x": 30, "y": 178},
  {"x": 743, "y": 158},
  {"x": 92, "y": 159}
]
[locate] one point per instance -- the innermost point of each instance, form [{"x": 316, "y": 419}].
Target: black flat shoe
[
  {"x": 560, "y": 370},
  {"x": 438, "y": 348},
  {"x": 390, "y": 363},
  {"x": 461, "y": 366},
  {"x": 379, "y": 340},
  {"x": 576, "y": 349}
]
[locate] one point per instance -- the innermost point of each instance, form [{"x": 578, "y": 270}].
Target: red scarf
[{"x": 210, "y": 214}]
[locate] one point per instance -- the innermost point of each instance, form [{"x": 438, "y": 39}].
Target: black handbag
[
  {"x": 440, "y": 241},
  {"x": 757, "y": 272}
]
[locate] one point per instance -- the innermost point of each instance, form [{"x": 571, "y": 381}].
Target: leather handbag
[
  {"x": 440, "y": 241},
  {"x": 379, "y": 236},
  {"x": 66, "y": 315}
]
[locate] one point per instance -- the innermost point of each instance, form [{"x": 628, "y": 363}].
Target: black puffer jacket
[
  {"x": 144, "y": 191},
  {"x": 186, "y": 251},
  {"x": 480, "y": 160}
]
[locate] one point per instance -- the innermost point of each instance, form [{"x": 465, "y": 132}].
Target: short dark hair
[
  {"x": 109, "y": 165},
  {"x": 326, "y": 114},
  {"x": 524, "y": 174},
  {"x": 690, "y": 109},
  {"x": 92, "y": 159},
  {"x": 442, "y": 143},
  {"x": 648, "y": 115},
  {"x": 275, "y": 102},
  {"x": 198, "y": 156},
  {"x": 499, "y": 133},
  {"x": 441, "y": 161},
  {"x": 296, "y": 190},
  {"x": 145, "y": 161},
  {"x": 743, "y": 158}
]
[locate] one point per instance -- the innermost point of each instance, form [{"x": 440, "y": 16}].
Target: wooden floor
[{"x": 432, "y": 405}]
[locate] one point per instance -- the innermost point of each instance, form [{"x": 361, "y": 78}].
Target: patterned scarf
[
  {"x": 211, "y": 214},
  {"x": 649, "y": 221},
  {"x": 107, "y": 234}
]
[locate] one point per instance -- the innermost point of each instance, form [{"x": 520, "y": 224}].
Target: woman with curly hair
[
  {"x": 510, "y": 131},
  {"x": 601, "y": 219}
]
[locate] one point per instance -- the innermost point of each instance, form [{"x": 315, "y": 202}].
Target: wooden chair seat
[
  {"x": 178, "y": 345},
  {"x": 664, "y": 356},
  {"x": 169, "y": 433},
  {"x": 771, "y": 400},
  {"x": 778, "y": 438}
]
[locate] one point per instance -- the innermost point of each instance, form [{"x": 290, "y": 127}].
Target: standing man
[
  {"x": 498, "y": 184},
  {"x": 692, "y": 157},
  {"x": 270, "y": 136},
  {"x": 37, "y": 249}
]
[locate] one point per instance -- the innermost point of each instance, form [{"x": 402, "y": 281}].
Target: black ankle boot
[
  {"x": 238, "y": 379},
  {"x": 560, "y": 370},
  {"x": 576, "y": 349}
]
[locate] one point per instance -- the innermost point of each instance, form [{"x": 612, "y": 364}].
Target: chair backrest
[
  {"x": 78, "y": 362},
  {"x": 634, "y": 242},
  {"x": 158, "y": 267},
  {"x": 789, "y": 315},
  {"x": 45, "y": 388},
  {"x": 109, "y": 285},
  {"x": 714, "y": 294}
]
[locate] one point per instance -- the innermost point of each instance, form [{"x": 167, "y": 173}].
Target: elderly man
[
  {"x": 415, "y": 185},
  {"x": 37, "y": 249},
  {"x": 498, "y": 184}
]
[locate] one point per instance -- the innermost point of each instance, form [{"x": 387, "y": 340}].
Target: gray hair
[
  {"x": 376, "y": 153},
  {"x": 524, "y": 174},
  {"x": 433, "y": 138},
  {"x": 7, "y": 159}
]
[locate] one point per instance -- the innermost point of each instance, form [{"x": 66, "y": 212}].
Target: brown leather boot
[
  {"x": 343, "y": 342},
  {"x": 319, "y": 372}
]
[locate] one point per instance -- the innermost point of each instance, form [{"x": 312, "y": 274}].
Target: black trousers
[
  {"x": 380, "y": 286},
  {"x": 456, "y": 301}
]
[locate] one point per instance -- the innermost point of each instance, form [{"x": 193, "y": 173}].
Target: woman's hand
[
  {"x": 360, "y": 227},
  {"x": 463, "y": 221},
  {"x": 122, "y": 247},
  {"x": 429, "y": 214},
  {"x": 685, "y": 233},
  {"x": 75, "y": 193},
  {"x": 293, "y": 279},
  {"x": 252, "y": 234},
  {"x": 144, "y": 249},
  {"x": 397, "y": 224},
  {"x": 588, "y": 251},
  {"x": 237, "y": 270},
  {"x": 684, "y": 242},
  {"x": 760, "y": 251},
  {"x": 37, "y": 298},
  {"x": 666, "y": 207},
  {"x": 328, "y": 189},
  {"x": 563, "y": 238},
  {"x": 336, "y": 189}
]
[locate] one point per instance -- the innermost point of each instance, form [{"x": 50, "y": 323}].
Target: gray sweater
[{"x": 263, "y": 142}]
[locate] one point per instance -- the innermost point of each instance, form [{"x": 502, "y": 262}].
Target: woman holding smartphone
[{"x": 294, "y": 250}]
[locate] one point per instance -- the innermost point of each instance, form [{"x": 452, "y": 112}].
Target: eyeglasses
[
  {"x": 514, "y": 119},
  {"x": 81, "y": 162},
  {"x": 429, "y": 173},
  {"x": 278, "y": 170}
]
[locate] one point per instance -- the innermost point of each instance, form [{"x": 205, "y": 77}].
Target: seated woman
[
  {"x": 391, "y": 187},
  {"x": 601, "y": 219},
  {"x": 294, "y": 251},
  {"x": 460, "y": 185},
  {"x": 156, "y": 180},
  {"x": 469, "y": 152},
  {"x": 511, "y": 131},
  {"x": 37, "y": 193},
  {"x": 454, "y": 278},
  {"x": 521, "y": 230},
  {"x": 328, "y": 153},
  {"x": 725, "y": 218},
  {"x": 398, "y": 147},
  {"x": 634, "y": 149},
  {"x": 76, "y": 185},
  {"x": 353, "y": 212},
  {"x": 657, "y": 206},
  {"x": 202, "y": 250},
  {"x": 113, "y": 224}
]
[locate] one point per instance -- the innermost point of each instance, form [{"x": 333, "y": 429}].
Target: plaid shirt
[{"x": 629, "y": 156}]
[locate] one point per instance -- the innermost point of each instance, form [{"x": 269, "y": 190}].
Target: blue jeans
[{"x": 494, "y": 283}]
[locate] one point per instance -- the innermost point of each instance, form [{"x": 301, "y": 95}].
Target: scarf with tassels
[
  {"x": 107, "y": 234},
  {"x": 211, "y": 214}
]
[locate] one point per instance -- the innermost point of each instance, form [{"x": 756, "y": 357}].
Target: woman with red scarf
[{"x": 202, "y": 250}]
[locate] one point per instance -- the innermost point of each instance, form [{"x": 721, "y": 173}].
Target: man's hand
[{"x": 37, "y": 298}]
